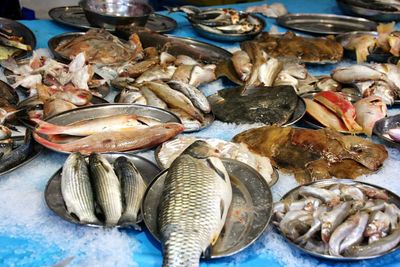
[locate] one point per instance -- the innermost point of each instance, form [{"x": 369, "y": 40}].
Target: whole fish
[
  {"x": 242, "y": 64},
  {"x": 193, "y": 207},
  {"x": 118, "y": 140},
  {"x": 369, "y": 110},
  {"x": 174, "y": 99},
  {"x": 76, "y": 189},
  {"x": 383, "y": 245},
  {"x": 107, "y": 188},
  {"x": 356, "y": 236},
  {"x": 96, "y": 125},
  {"x": 18, "y": 154},
  {"x": 341, "y": 232},
  {"x": 133, "y": 188},
  {"x": 332, "y": 219},
  {"x": 197, "y": 97}
]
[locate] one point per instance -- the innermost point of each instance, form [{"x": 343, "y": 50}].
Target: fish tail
[
  {"x": 48, "y": 128},
  {"x": 50, "y": 144}
]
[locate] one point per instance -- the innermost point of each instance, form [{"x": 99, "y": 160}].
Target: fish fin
[
  {"x": 207, "y": 252},
  {"x": 215, "y": 168},
  {"x": 47, "y": 128}
]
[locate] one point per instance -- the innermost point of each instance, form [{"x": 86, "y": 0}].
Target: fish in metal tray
[{"x": 269, "y": 105}]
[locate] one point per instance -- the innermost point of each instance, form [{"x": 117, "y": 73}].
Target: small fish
[
  {"x": 107, "y": 188},
  {"x": 242, "y": 64},
  {"x": 76, "y": 189},
  {"x": 332, "y": 219},
  {"x": 133, "y": 189},
  {"x": 356, "y": 236},
  {"x": 152, "y": 99},
  {"x": 341, "y": 232},
  {"x": 197, "y": 97},
  {"x": 321, "y": 193},
  {"x": 383, "y": 245}
]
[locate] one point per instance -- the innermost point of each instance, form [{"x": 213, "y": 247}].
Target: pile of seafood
[
  {"x": 333, "y": 110},
  {"x": 11, "y": 45},
  {"x": 267, "y": 105},
  {"x": 221, "y": 20},
  {"x": 314, "y": 154},
  {"x": 170, "y": 150},
  {"x": 113, "y": 133},
  {"x": 116, "y": 190},
  {"x": 339, "y": 219}
]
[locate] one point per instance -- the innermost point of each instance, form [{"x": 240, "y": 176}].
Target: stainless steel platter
[
  {"x": 21, "y": 30},
  {"x": 37, "y": 149},
  {"x": 74, "y": 16},
  {"x": 383, "y": 125},
  {"x": 229, "y": 37},
  {"x": 293, "y": 194},
  {"x": 325, "y": 23},
  {"x": 54, "y": 198},
  {"x": 248, "y": 215},
  {"x": 103, "y": 110},
  {"x": 368, "y": 10}
]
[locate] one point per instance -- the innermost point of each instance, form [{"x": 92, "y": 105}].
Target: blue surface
[{"x": 36, "y": 237}]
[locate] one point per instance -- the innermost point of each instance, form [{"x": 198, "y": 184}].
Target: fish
[
  {"x": 156, "y": 73},
  {"x": 341, "y": 232},
  {"x": 368, "y": 111},
  {"x": 174, "y": 99},
  {"x": 106, "y": 187},
  {"x": 184, "y": 235},
  {"x": 332, "y": 219},
  {"x": 76, "y": 189},
  {"x": 376, "y": 248},
  {"x": 242, "y": 64},
  {"x": 197, "y": 97},
  {"x": 133, "y": 189},
  {"x": 356, "y": 235},
  {"x": 129, "y": 96},
  {"x": 114, "y": 141},
  {"x": 152, "y": 99},
  {"x": 19, "y": 154},
  {"x": 321, "y": 193},
  {"x": 96, "y": 125},
  {"x": 394, "y": 133},
  {"x": 201, "y": 75}
]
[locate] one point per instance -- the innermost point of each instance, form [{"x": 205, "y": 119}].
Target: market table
[{"x": 31, "y": 235}]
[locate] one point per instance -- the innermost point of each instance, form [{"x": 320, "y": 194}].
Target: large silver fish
[
  {"x": 107, "y": 188},
  {"x": 195, "y": 200},
  {"x": 133, "y": 188},
  {"x": 76, "y": 189}
]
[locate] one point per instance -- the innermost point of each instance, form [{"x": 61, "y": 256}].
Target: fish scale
[{"x": 195, "y": 201}]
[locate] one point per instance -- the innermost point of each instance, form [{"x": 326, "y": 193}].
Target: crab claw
[{"x": 341, "y": 106}]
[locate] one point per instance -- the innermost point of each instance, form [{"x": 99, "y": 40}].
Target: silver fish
[
  {"x": 197, "y": 97},
  {"x": 321, "y": 193},
  {"x": 133, "y": 188},
  {"x": 193, "y": 208},
  {"x": 341, "y": 232},
  {"x": 385, "y": 244},
  {"x": 332, "y": 219},
  {"x": 107, "y": 188},
  {"x": 356, "y": 236},
  {"x": 76, "y": 189},
  {"x": 152, "y": 99}
]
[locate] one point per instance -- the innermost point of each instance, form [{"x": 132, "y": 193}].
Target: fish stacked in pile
[
  {"x": 195, "y": 200},
  {"x": 170, "y": 150},
  {"x": 106, "y": 134},
  {"x": 314, "y": 154},
  {"x": 333, "y": 110},
  {"x": 11, "y": 45},
  {"x": 340, "y": 220},
  {"x": 96, "y": 185},
  {"x": 221, "y": 20}
]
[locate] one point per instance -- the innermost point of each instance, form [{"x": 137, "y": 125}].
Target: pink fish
[{"x": 368, "y": 111}]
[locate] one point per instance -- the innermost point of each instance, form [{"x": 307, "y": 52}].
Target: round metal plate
[
  {"x": 292, "y": 194},
  {"x": 229, "y": 37},
  {"x": 75, "y": 17},
  {"x": 104, "y": 110},
  {"x": 54, "y": 198},
  {"x": 382, "y": 126},
  {"x": 367, "y": 10},
  {"x": 248, "y": 215},
  {"x": 37, "y": 149},
  {"x": 325, "y": 23},
  {"x": 21, "y": 30}
]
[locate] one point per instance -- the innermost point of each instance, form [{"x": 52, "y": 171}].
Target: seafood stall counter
[{"x": 32, "y": 235}]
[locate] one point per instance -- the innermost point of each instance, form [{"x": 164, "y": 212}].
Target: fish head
[{"x": 201, "y": 150}]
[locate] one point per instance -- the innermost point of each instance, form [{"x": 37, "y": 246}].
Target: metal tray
[
  {"x": 196, "y": 49},
  {"x": 351, "y": 8},
  {"x": 37, "y": 149},
  {"x": 19, "y": 29},
  {"x": 226, "y": 37},
  {"x": 102, "y": 110},
  {"x": 75, "y": 17},
  {"x": 393, "y": 198},
  {"x": 8, "y": 93},
  {"x": 383, "y": 125},
  {"x": 54, "y": 198},
  {"x": 325, "y": 23},
  {"x": 274, "y": 176},
  {"x": 248, "y": 215}
]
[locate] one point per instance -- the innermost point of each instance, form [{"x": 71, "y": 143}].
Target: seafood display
[
  {"x": 314, "y": 154},
  {"x": 267, "y": 105},
  {"x": 333, "y": 110},
  {"x": 184, "y": 234},
  {"x": 273, "y": 10},
  {"x": 170, "y": 150},
  {"x": 116, "y": 189},
  {"x": 340, "y": 219}
]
